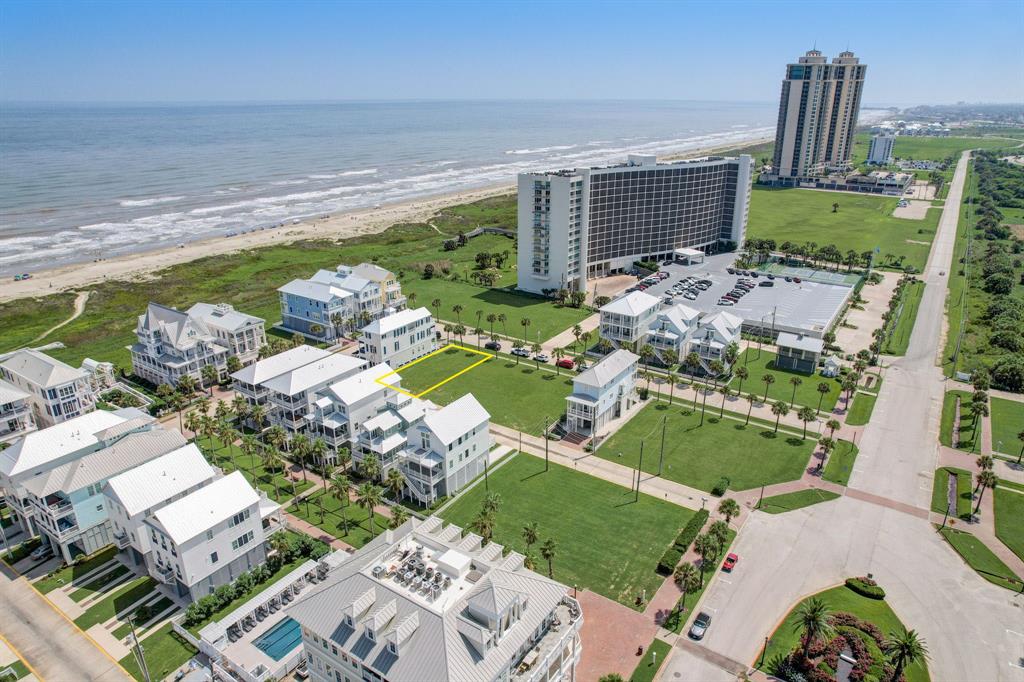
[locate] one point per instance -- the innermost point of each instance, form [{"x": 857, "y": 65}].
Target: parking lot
[{"x": 788, "y": 306}]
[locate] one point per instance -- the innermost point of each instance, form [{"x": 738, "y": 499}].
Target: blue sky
[{"x": 917, "y": 52}]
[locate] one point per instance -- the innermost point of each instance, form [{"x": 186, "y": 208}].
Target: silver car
[{"x": 700, "y": 625}]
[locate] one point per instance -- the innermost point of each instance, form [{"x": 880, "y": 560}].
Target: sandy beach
[{"x": 339, "y": 226}]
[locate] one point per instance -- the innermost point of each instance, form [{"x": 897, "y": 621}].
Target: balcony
[
  {"x": 60, "y": 507},
  {"x": 557, "y": 649},
  {"x": 164, "y": 574},
  {"x": 122, "y": 540}
]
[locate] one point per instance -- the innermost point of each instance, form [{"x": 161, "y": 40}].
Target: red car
[
  {"x": 730, "y": 563},
  {"x": 565, "y": 363}
]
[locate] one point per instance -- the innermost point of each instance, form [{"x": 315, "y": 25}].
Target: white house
[
  {"x": 671, "y": 330},
  {"x": 339, "y": 408},
  {"x": 291, "y": 395},
  {"x": 57, "y": 392},
  {"x": 131, "y": 497},
  {"x": 398, "y": 338},
  {"x": 422, "y": 602},
  {"x": 602, "y": 393},
  {"x": 243, "y": 334},
  {"x": 15, "y": 412},
  {"x": 250, "y": 381},
  {"x": 384, "y": 435},
  {"x": 714, "y": 335},
  {"x": 209, "y": 537},
  {"x": 627, "y": 319}
]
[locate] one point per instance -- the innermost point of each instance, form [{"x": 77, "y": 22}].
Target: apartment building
[
  {"x": 291, "y": 396},
  {"x": 880, "y": 149},
  {"x": 627, "y": 319},
  {"x": 818, "y": 111},
  {"x": 424, "y": 603},
  {"x": 210, "y": 537},
  {"x": 341, "y": 407},
  {"x": 398, "y": 338},
  {"x": 250, "y": 381},
  {"x": 581, "y": 224},
  {"x": 55, "y": 477},
  {"x": 331, "y": 303},
  {"x": 15, "y": 412},
  {"x": 602, "y": 393},
  {"x": 56, "y": 391}
]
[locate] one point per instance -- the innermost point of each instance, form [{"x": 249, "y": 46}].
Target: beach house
[
  {"x": 798, "y": 352},
  {"x": 714, "y": 334},
  {"x": 56, "y": 391},
  {"x": 339, "y": 408},
  {"x": 250, "y": 381},
  {"x": 602, "y": 393},
  {"x": 292, "y": 394},
  {"x": 15, "y": 412},
  {"x": 627, "y": 319},
  {"x": 671, "y": 330},
  {"x": 398, "y": 338}
]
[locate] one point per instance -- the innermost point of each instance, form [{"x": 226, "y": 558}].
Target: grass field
[
  {"x": 652, "y": 661},
  {"x": 759, "y": 363},
  {"x": 842, "y": 599},
  {"x": 1007, "y": 421},
  {"x": 333, "y": 520},
  {"x": 165, "y": 651},
  {"x": 699, "y": 456},
  {"x": 1009, "y": 506},
  {"x": 68, "y": 574},
  {"x": 861, "y": 223},
  {"x": 967, "y": 433},
  {"x": 840, "y": 463},
  {"x": 155, "y": 609},
  {"x": 899, "y": 329},
  {"x": 606, "y": 542},
  {"x": 979, "y": 557},
  {"x": 861, "y": 409},
  {"x": 779, "y": 504},
  {"x": 518, "y": 396},
  {"x": 963, "y": 491}
]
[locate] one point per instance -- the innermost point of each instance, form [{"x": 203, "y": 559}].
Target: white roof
[
  {"x": 633, "y": 303},
  {"x": 611, "y": 366},
  {"x": 370, "y": 271},
  {"x": 316, "y": 373},
  {"x": 40, "y": 369},
  {"x": 456, "y": 419},
  {"x": 160, "y": 479},
  {"x": 223, "y": 315},
  {"x": 200, "y": 511},
  {"x": 689, "y": 252},
  {"x": 800, "y": 342},
  {"x": 316, "y": 291},
  {"x": 10, "y": 393},
  {"x": 36, "y": 449},
  {"x": 276, "y": 365},
  {"x": 357, "y": 387},
  {"x": 390, "y": 323}
]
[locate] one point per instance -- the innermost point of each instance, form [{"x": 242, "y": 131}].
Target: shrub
[
  {"x": 675, "y": 552},
  {"x": 866, "y": 587},
  {"x": 719, "y": 488}
]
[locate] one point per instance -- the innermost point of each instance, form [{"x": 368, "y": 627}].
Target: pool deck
[{"x": 244, "y": 653}]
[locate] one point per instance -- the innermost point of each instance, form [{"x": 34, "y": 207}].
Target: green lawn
[
  {"x": 276, "y": 483},
  {"x": 899, "y": 329},
  {"x": 333, "y": 520},
  {"x": 861, "y": 409},
  {"x": 759, "y": 363},
  {"x": 862, "y": 223},
  {"x": 155, "y": 609},
  {"x": 652, "y": 661},
  {"x": 18, "y": 670},
  {"x": 979, "y": 557},
  {"x": 109, "y": 606},
  {"x": 963, "y": 491},
  {"x": 797, "y": 500},
  {"x": 98, "y": 584},
  {"x": 1007, "y": 421},
  {"x": 518, "y": 396},
  {"x": 69, "y": 574},
  {"x": 1009, "y": 507},
  {"x": 698, "y": 456},
  {"x": 840, "y": 463},
  {"x": 842, "y": 599},
  {"x": 606, "y": 542},
  {"x": 967, "y": 432},
  {"x": 166, "y": 651},
  {"x": 940, "y": 148}
]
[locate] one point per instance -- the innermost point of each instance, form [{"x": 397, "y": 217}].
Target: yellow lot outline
[{"x": 487, "y": 356}]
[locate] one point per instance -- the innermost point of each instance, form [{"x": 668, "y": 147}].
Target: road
[
  {"x": 973, "y": 628},
  {"x": 55, "y": 648}
]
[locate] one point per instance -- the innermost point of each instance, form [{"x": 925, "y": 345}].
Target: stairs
[{"x": 575, "y": 438}]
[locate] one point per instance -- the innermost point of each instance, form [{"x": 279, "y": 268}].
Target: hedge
[
  {"x": 866, "y": 587},
  {"x": 669, "y": 560}
]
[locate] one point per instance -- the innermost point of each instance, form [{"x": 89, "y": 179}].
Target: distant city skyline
[{"x": 920, "y": 52}]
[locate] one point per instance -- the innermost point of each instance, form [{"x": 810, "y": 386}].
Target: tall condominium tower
[
  {"x": 817, "y": 115},
  {"x": 592, "y": 222}
]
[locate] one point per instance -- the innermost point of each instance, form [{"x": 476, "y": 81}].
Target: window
[
  {"x": 209, "y": 535},
  {"x": 238, "y": 518},
  {"x": 213, "y": 557},
  {"x": 242, "y": 540}
]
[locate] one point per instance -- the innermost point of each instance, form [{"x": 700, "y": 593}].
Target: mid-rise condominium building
[
  {"x": 818, "y": 113},
  {"x": 422, "y": 602},
  {"x": 880, "y": 149},
  {"x": 591, "y": 222},
  {"x": 56, "y": 391},
  {"x": 398, "y": 338}
]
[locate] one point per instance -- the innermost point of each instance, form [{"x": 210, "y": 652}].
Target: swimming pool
[{"x": 279, "y": 640}]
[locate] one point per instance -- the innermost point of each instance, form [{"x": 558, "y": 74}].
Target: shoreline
[{"x": 358, "y": 222}]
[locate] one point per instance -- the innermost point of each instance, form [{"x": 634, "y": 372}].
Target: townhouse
[
  {"x": 626, "y": 320},
  {"x": 250, "y": 381},
  {"x": 339, "y": 409},
  {"x": 15, "y": 412}
]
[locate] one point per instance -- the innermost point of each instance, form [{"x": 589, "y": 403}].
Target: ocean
[{"x": 82, "y": 182}]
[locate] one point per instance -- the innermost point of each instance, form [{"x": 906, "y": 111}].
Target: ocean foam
[{"x": 134, "y": 203}]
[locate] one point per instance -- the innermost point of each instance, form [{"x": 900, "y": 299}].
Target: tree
[
  {"x": 483, "y": 525},
  {"x": 339, "y": 488},
  {"x": 531, "y": 533},
  {"x": 646, "y": 352},
  {"x": 823, "y": 388},
  {"x": 610, "y": 677},
  {"x": 258, "y": 414},
  {"x": 479, "y": 332},
  {"x": 525, "y": 322},
  {"x": 517, "y": 345},
  {"x": 726, "y": 392},
  {"x": 503, "y": 318},
  {"x": 692, "y": 361},
  {"x": 368, "y": 497},
  {"x": 742, "y": 374},
  {"x": 558, "y": 354},
  {"x": 729, "y": 508},
  {"x": 436, "y": 305},
  {"x": 459, "y": 330},
  {"x": 812, "y": 620},
  {"x": 548, "y": 550},
  {"x": 780, "y": 410},
  {"x": 491, "y": 503},
  {"x": 395, "y": 482},
  {"x": 719, "y": 532},
  {"x": 826, "y": 444},
  {"x": 370, "y": 467},
  {"x": 835, "y": 206},
  {"x": 491, "y": 319},
  {"x": 672, "y": 379},
  {"x": 1020, "y": 437},
  {"x": 535, "y": 349},
  {"x": 904, "y": 647},
  {"x": 751, "y": 399},
  {"x": 457, "y": 309},
  {"x": 448, "y": 332},
  {"x": 977, "y": 410},
  {"x": 399, "y": 515},
  {"x": 985, "y": 479},
  {"x": 705, "y": 546},
  {"x": 832, "y": 425},
  {"x": 806, "y": 414},
  {"x": 984, "y": 462},
  {"x": 768, "y": 380},
  {"x": 193, "y": 421},
  {"x": 795, "y": 383},
  {"x": 233, "y": 364},
  {"x": 577, "y": 331},
  {"x": 300, "y": 451},
  {"x": 688, "y": 579},
  {"x": 249, "y": 447},
  {"x": 318, "y": 449},
  {"x": 210, "y": 376}
]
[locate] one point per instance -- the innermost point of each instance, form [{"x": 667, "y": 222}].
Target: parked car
[
  {"x": 730, "y": 562},
  {"x": 690, "y": 296},
  {"x": 753, "y": 274},
  {"x": 725, "y": 301},
  {"x": 521, "y": 352},
  {"x": 766, "y": 284},
  {"x": 541, "y": 357},
  {"x": 492, "y": 345},
  {"x": 565, "y": 363},
  {"x": 770, "y": 276},
  {"x": 731, "y": 271},
  {"x": 662, "y": 275},
  {"x": 700, "y": 625},
  {"x": 41, "y": 552},
  {"x": 797, "y": 280},
  {"x": 789, "y": 279}
]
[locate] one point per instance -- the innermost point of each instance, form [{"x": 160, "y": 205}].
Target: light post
[{"x": 639, "y": 468}]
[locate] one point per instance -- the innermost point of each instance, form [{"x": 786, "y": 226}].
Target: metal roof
[
  {"x": 317, "y": 373},
  {"x": 456, "y": 419},
  {"x": 390, "y": 323},
  {"x": 633, "y": 303},
  {"x": 200, "y": 511},
  {"x": 276, "y": 365},
  {"x": 39, "y": 448},
  {"x": 160, "y": 479},
  {"x": 40, "y": 369},
  {"x": 359, "y": 386},
  {"x": 9, "y": 393},
  {"x": 606, "y": 370},
  {"x": 223, "y": 315},
  {"x": 800, "y": 342}
]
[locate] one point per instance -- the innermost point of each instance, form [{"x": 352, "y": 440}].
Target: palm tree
[
  {"x": 780, "y": 410},
  {"x": 479, "y": 332},
  {"x": 742, "y": 374},
  {"x": 729, "y": 508},
  {"x": 399, "y": 515},
  {"x": 249, "y": 447},
  {"x": 530, "y": 560},
  {"x": 985, "y": 479},
  {"x": 577, "y": 332},
  {"x": 193, "y": 420},
  {"x": 258, "y": 414},
  {"x": 688, "y": 579},
  {"x": 369, "y": 496},
  {"x": 692, "y": 361},
  {"x": 210, "y": 376},
  {"x": 536, "y": 348},
  {"x": 300, "y": 451},
  {"x": 806, "y": 414},
  {"x": 823, "y": 388},
  {"x": 904, "y": 648},
  {"x": 768, "y": 380},
  {"x": 448, "y": 333},
  {"x": 457, "y": 309},
  {"x": 370, "y": 467},
  {"x": 719, "y": 532},
  {"x": 1020, "y": 437},
  {"x": 276, "y": 436},
  {"x": 707, "y": 548},
  {"x": 812, "y": 620},
  {"x": 672, "y": 379},
  {"x": 548, "y": 550},
  {"x": 491, "y": 503},
  {"x": 558, "y": 354},
  {"x": 525, "y": 322},
  {"x": 503, "y": 318},
  {"x": 339, "y": 488},
  {"x": 483, "y": 525},
  {"x": 459, "y": 330},
  {"x": 826, "y": 444},
  {"x": 751, "y": 399},
  {"x": 795, "y": 383},
  {"x": 977, "y": 410},
  {"x": 395, "y": 482},
  {"x": 671, "y": 359},
  {"x": 646, "y": 352},
  {"x": 318, "y": 449},
  {"x": 491, "y": 319},
  {"x": 984, "y": 462},
  {"x": 832, "y": 425},
  {"x": 531, "y": 533}
]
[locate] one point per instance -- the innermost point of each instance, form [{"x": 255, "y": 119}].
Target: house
[
  {"x": 329, "y": 303},
  {"x": 602, "y": 393},
  {"x": 384, "y": 435},
  {"x": 671, "y": 330},
  {"x": 398, "y": 338},
  {"x": 291, "y": 395},
  {"x": 131, "y": 497},
  {"x": 339, "y": 408},
  {"x": 57, "y": 392},
  {"x": 714, "y": 334},
  {"x": 627, "y": 319},
  {"x": 56, "y": 476},
  {"x": 798, "y": 352},
  {"x": 422, "y": 602},
  {"x": 15, "y": 412},
  {"x": 210, "y": 537},
  {"x": 172, "y": 344},
  {"x": 250, "y": 381}
]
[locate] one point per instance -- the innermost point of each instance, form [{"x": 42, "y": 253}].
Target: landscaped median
[
  {"x": 898, "y": 330},
  {"x": 1009, "y": 510},
  {"x": 978, "y": 556},
  {"x": 840, "y": 462},
  {"x": 969, "y": 432},
  {"x": 940, "y": 492},
  {"x": 779, "y": 504},
  {"x": 861, "y": 409}
]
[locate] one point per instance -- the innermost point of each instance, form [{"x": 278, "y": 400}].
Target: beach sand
[{"x": 146, "y": 264}]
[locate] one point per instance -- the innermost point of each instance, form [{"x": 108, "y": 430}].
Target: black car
[
  {"x": 731, "y": 271},
  {"x": 492, "y": 345},
  {"x": 766, "y": 284}
]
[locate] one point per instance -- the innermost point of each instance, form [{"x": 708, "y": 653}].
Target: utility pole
[
  {"x": 140, "y": 654},
  {"x": 545, "y": 443},
  {"x": 760, "y": 498},
  {"x": 661, "y": 457},
  {"x": 487, "y": 487},
  {"x": 639, "y": 468}
]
